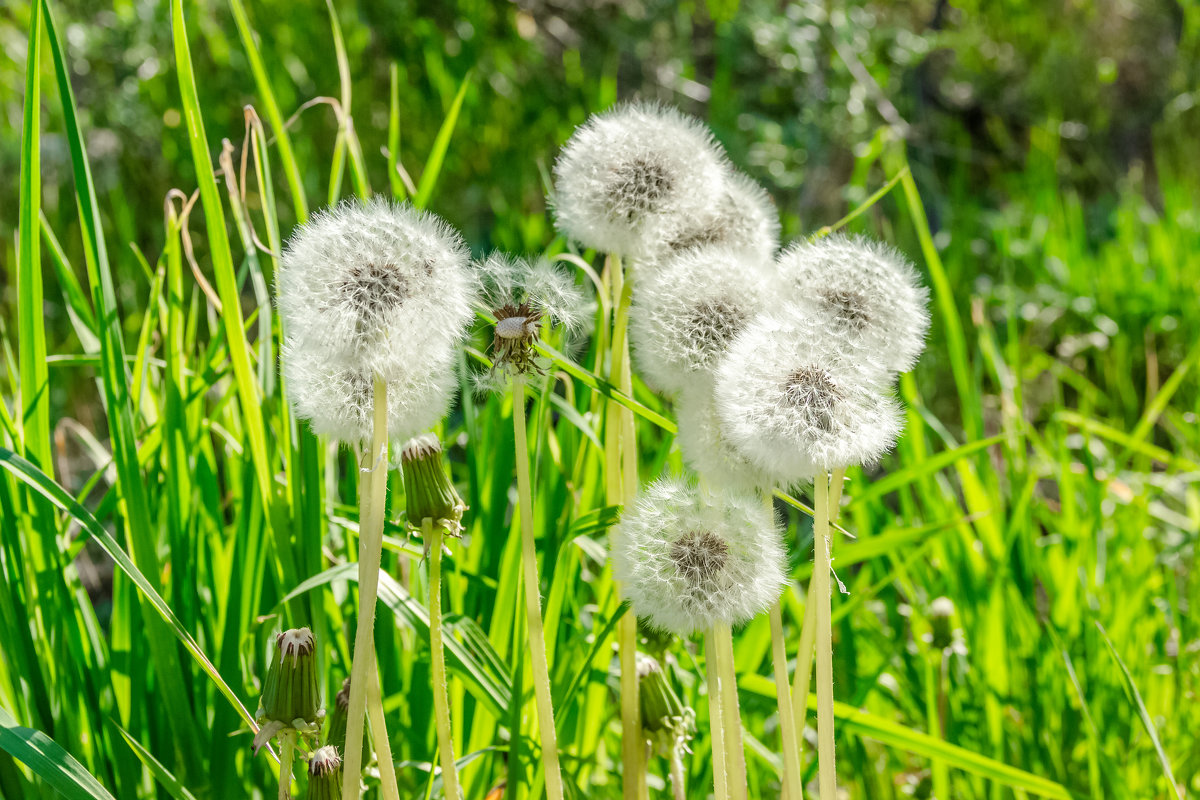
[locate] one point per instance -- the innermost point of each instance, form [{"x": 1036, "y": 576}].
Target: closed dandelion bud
[
  {"x": 630, "y": 176},
  {"x": 687, "y": 311},
  {"x": 325, "y": 775},
  {"x": 941, "y": 620},
  {"x": 863, "y": 292},
  {"x": 291, "y": 697},
  {"x": 428, "y": 492},
  {"x": 335, "y": 729},
  {"x": 794, "y": 400},
  {"x": 686, "y": 561},
  {"x": 667, "y": 723},
  {"x": 745, "y": 218}
]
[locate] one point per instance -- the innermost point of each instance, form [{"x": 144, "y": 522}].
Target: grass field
[{"x": 162, "y": 513}]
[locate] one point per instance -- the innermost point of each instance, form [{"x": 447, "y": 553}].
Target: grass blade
[
  {"x": 49, "y": 761},
  {"x": 433, "y": 164}
]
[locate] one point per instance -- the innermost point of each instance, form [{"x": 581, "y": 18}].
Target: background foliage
[{"x": 1046, "y": 483}]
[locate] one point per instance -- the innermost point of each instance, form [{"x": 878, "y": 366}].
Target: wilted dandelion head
[
  {"x": 794, "y": 400},
  {"x": 687, "y": 561},
  {"x": 744, "y": 218},
  {"x": 378, "y": 286},
  {"x": 524, "y": 296},
  {"x": 337, "y": 401},
  {"x": 688, "y": 309},
  {"x": 705, "y": 448},
  {"x": 630, "y": 175},
  {"x": 864, "y": 291}
]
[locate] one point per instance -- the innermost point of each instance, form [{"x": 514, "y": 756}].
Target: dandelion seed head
[
  {"x": 744, "y": 218},
  {"x": 376, "y": 286},
  {"x": 686, "y": 560},
  {"x": 629, "y": 175},
  {"x": 689, "y": 308},
  {"x": 795, "y": 400},
  {"x": 705, "y": 448},
  {"x": 865, "y": 291}
]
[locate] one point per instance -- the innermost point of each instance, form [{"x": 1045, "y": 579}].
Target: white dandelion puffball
[
  {"x": 745, "y": 217},
  {"x": 504, "y": 280},
  {"x": 630, "y": 175},
  {"x": 866, "y": 292},
  {"x": 795, "y": 400},
  {"x": 705, "y": 448},
  {"x": 337, "y": 401},
  {"x": 688, "y": 309},
  {"x": 686, "y": 561},
  {"x": 378, "y": 287}
]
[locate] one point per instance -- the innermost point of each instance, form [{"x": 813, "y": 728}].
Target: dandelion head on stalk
[
  {"x": 291, "y": 696},
  {"x": 631, "y": 174},
  {"x": 688, "y": 309},
  {"x": 428, "y": 492},
  {"x": 686, "y": 560},
  {"x": 338, "y": 401},
  {"x": 705, "y": 448},
  {"x": 526, "y": 296},
  {"x": 377, "y": 286},
  {"x": 744, "y": 217},
  {"x": 795, "y": 401},
  {"x": 324, "y": 774},
  {"x": 865, "y": 291}
]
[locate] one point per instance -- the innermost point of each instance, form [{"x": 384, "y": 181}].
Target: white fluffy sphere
[
  {"x": 686, "y": 561},
  {"x": 377, "y": 287},
  {"x": 795, "y": 400},
  {"x": 705, "y": 448},
  {"x": 688, "y": 309},
  {"x": 744, "y": 217},
  {"x": 864, "y": 291},
  {"x": 629, "y": 176}
]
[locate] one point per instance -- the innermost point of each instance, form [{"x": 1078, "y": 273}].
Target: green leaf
[
  {"x": 48, "y": 761},
  {"x": 433, "y": 164}
]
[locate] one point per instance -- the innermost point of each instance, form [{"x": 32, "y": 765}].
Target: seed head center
[
  {"x": 699, "y": 556},
  {"x": 811, "y": 391}
]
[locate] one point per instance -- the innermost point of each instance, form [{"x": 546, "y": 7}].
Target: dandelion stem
[
  {"x": 822, "y": 592},
  {"x": 389, "y": 789},
  {"x": 735, "y": 754},
  {"x": 287, "y": 751},
  {"x": 441, "y": 701},
  {"x": 621, "y": 486},
  {"x": 716, "y": 719},
  {"x": 533, "y": 611},
  {"x": 370, "y": 544},
  {"x": 678, "y": 779},
  {"x": 792, "y": 777}
]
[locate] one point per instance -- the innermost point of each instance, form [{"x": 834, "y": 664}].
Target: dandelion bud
[
  {"x": 864, "y": 292},
  {"x": 745, "y": 218},
  {"x": 688, "y": 310},
  {"x": 941, "y": 619},
  {"x": 630, "y": 175},
  {"x": 335, "y": 730},
  {"x": 667, "y": 723},
  {"x": 428, "y": 492},
  {"x": 794, "y": 400},
  {"x": 325, "y": 775},
  {"x": 291, "y": 695},
  {"x": 687, "y": 562}
]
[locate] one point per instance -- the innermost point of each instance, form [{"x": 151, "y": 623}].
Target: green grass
[{"x": 159, "y": 526}]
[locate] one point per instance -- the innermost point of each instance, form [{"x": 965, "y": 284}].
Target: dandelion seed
[
  {"x": 705, "y": 448},
  {"x": 377, "y": 287},
  {"x": 686, "y": 561},
  {"x": 630, "y": 175},
  {"x": 745, "y": 218},
  {"x": 794, "y": 400},
  {"x": 689, "y": 308},
  {"x": 524, "y": 296},
  {"x": 866, "y": 293}
]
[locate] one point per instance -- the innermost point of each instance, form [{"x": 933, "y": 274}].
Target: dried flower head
[
  {"x": 325, "y": 774},
  {"x": 630, "y": 175},
  {"x": 687, "y": 561},
  {"x": 794, "y": 400},
  {"x": 525, "y": 296},
  {"x": 428, "y": 492},
  {"x": 864, "y": 291},
  {"x": 375, "y": 286},
  {"x": 337, "y": 400},
  {"x": 291, "y": 697},
  {"x": 744, "y": 218},
  {"x": 667, "y": 724},
  {"x": 689, "y": 308},
  {"x": 705, "y": 449}
]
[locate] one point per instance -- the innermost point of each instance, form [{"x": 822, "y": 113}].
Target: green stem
[
  {"x": 735, "y": 753},
  {"x": 716, "y": 717},
  {"x": 678, "y": 779},
  {"x": 822, "y": 592},
  {"x": 441, "y": 700},
  {"x": 370, "y": 545},
  {"x": 792, "y": 777},
  {"x": 533, "y": 610},
  {"x": 389, "y": 789},
  {"x": 287, "y": 752}
]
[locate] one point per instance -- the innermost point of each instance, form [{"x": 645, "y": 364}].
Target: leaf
[
  {"x": 48, "y": 761},
  {"x": 160, "y": 773},
  {"x": 433, "y": 164}
]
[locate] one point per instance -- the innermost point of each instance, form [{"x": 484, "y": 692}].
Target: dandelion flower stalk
[
  {"x": 792, "y": 776},
  {"x": 433, "y": 534},
  {"x": 716, "y": 720},
  {"x": 822, "y": 595},
  {"x": 287, "y": 753},
  {"x": 735, "y": 753}
]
